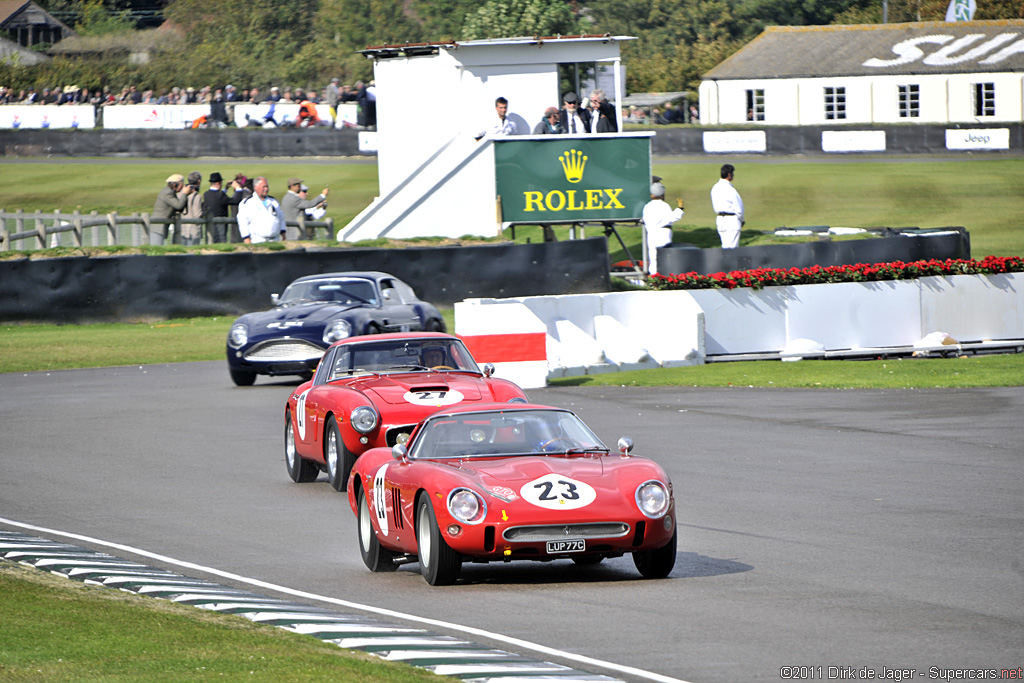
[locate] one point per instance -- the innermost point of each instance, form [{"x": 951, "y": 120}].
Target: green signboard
[{"x": 568, "y": 179}]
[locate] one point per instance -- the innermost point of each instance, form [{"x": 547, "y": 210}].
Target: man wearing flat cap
[
  {"x": 170, "y": 201},
  {"x": 293, "y": 204},
  {"x": 572, "y": 122},
  {"x": 658, "y": 218}
]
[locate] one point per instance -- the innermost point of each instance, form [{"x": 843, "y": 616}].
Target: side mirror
[
  {"x": 386, "y": 294},
  {"x": 488, "y": 369},
  {"x": 625, "y": 445},
  {"x": 276, "y": 298},
  {"x": 400, "y": 452}
]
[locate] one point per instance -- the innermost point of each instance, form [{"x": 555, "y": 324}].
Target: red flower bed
[{"x": 860, "y": 272}]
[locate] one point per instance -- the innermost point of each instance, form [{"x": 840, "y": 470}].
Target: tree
[{"x": 507, "y": 18}]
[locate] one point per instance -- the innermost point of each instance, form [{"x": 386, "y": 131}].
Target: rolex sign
[{"x": 564, "y": 179}]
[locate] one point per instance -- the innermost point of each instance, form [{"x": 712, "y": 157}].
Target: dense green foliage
[{"x": 306, "y": 42}]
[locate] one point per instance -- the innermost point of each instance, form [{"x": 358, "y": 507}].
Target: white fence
[{"x": 30, "y": 231}]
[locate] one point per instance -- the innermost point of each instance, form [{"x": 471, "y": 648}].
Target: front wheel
[
  {"x": 375, "y": 557},
  {"x": 299, "y": 469},
  {"x": 657, "y": 563},
  {"x": 338, "y": 458},
  {"x": 439, "y": 564},
  {"x": 242, "y": 378}
]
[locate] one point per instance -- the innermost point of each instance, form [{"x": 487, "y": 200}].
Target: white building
[{"x": 929, "y": 72}]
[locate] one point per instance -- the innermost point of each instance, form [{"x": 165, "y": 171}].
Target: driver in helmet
[{"x": 433, "y": 357}]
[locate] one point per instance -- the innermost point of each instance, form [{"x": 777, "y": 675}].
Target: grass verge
[
  {"x": 55, "y": 629},
  {"x": 27, "y": 348}
]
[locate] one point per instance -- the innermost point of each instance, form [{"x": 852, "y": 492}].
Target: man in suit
[
  {"x": 572, "y": 122},
  {"x": 600, "y": 114},
  {"x": 294, "y": 204},
  {"x": 216, "y": 203}
]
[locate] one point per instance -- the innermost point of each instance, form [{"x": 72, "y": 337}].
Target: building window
[
  {"x": 910, "y": 101},
  {"x": 984, "y": 99},
  {"x": 835, "y": 103},
  {"x": 755, "y": 105}
]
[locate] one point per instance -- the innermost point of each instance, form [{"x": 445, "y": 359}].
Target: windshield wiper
[{"x": 411, "y": 367}]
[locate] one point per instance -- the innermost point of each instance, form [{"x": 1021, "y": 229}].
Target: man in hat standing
[
  {"x": 658, "y": 217},
  {"x": 260, "y": 217},
  {"x": 293, "y": 204},
  {"x": 216, "y": 203},
  {"x": 170, "y": 202},
  {"x": 572, "y": 122}
]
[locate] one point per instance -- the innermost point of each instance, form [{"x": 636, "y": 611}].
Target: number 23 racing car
[
  {"x": 497, "y": 483},
  {"x": 371, "y": 391}
]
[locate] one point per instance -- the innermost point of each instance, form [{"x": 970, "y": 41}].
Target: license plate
[{"x": 575, "y": 545}]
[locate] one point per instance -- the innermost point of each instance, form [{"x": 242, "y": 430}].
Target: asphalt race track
[{"x": 818, "y": 528}]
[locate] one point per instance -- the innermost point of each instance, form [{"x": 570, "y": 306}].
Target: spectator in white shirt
[
  {"x": 260, "y": 218},
  {"x": 658, "y": 218},
  {"x": 728, "y": 207}
]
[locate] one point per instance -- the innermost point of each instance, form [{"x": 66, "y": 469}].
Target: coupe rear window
[{"x": 342, "y": 291}]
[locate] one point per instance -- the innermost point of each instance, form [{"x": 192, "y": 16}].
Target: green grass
[
  {"x": 892, "y": 373},
  {"x": 55, "y": 629},
  {"x": 982, "y": 195}
]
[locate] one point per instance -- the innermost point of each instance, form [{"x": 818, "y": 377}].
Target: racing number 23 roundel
[{"x": 555, "y": 492}]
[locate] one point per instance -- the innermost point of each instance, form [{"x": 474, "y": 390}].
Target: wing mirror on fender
[
  {"x": 275, "y": 298},
  {"x": 400, "y": 452},
  {"x": 488, "y": 369},
  {"x": 625, "y": 445}
]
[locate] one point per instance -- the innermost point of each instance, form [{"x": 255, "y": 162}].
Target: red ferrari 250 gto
[{"x": 372, "y": 390}]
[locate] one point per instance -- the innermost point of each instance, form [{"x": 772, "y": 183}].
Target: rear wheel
[
  {"x": 439, "y": 564},
  {"x": 242, "y": 378},
  {"x": 434, "y": 325},
  {"x": 656, "y": 563},
  {"x": 299, "y": 469},
  {"x": 376, "y": 558},
  {"x": 338, "y": 458}
]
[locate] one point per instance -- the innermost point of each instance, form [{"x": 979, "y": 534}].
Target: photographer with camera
[{"x": 170, "y": 201}]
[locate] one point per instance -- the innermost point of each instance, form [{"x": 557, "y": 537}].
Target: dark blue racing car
[{"x": 314, "y": 312}]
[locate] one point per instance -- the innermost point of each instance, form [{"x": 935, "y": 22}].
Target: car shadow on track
[{"x": 688, "y": 565}]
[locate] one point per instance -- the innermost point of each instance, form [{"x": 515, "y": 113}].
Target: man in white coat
[
  {"x": 260, "y": 217},
  {"x": 728, "y": 207},
  {"x": 657, "y": 218}
]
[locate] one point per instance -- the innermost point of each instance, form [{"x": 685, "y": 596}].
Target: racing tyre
[
  {"x": 242, "y": 378},
  {"x": 376, "y": 558},
  {"x": 434, "y": 325},
  {"x": 299, "y": 469},
  {"x": 656, "y": 563},
  {"x": 439, "y": 564},
  {"x": 338, "y": 458}
]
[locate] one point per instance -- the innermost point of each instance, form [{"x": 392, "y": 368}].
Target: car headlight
[
  {"x": 652, "y": 499},
  {"x": 467, "y": 506},
  {"x": 238, "y": 335},
  {"x": 337, "y": 330},
  {"x": 363, "y": 419}
]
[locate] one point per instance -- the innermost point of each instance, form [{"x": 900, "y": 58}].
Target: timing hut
[
  {"x": 439, "y": 177},
  {"x": 929, "y": 72}
]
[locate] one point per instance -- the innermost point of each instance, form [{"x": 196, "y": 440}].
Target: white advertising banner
[
  {"x": 47, "y": 116},
  {"x": 735, "y": 141},
  {"x": 154, "y": 116},
  {"x": 284, "y": 114},
  {"x": 853, "y": 141},
  {"x": 977, "y": 138}
]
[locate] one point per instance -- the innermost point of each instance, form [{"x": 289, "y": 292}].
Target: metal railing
[{"x": 32, "y": 231}]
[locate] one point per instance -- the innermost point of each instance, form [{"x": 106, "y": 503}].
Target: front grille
[
  {"x": 556, "y": 532},
  {"x": 391, "y": 436},
  {"x": 278, "y": 350}
]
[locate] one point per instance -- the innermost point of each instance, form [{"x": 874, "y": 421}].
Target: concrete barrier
[{"x": 597, "y": 333}]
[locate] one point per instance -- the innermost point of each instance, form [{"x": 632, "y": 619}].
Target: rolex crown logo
[{"x": 573, "y": 162}]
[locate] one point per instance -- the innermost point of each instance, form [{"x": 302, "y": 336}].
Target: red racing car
[
  {"x": 501, "y": 482},
  {"x": 370, "y": 391}
]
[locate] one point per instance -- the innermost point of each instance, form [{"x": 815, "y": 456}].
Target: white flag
[{"x": 960, "y": 10}]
